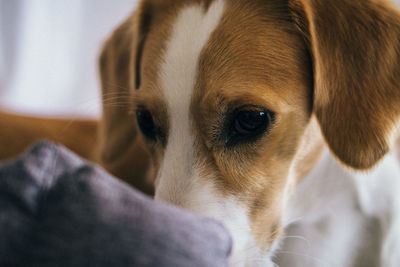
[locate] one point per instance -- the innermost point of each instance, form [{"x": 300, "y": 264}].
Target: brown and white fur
[
  {"x": 331, "y": 65},
  {"x": 329, "y": 70}
]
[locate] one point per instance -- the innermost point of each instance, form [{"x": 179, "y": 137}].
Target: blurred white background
[{"x": 49, "y": 50}]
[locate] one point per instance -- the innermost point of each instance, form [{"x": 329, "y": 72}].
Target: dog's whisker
[
  {"x": 320, "y": 261},
  {"x": 105, "y": 98},
  {"x": 116, "y": 102},
  {"x": 123, "y": 89},
  {"x": 115, "y": 99},
  {"x": 294, "y": 220},
  {"x": 122, "y": 93},
  {"x": 255, "y": 260},
  {"x": 297, "y": 237}
]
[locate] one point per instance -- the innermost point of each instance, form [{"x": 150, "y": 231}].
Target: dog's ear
[
  {"x": 355, "y": 46},
  {"x": 121, "y": 150}
]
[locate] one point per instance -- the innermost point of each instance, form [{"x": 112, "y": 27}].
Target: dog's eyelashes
[
  {"x": 146, "y": 124},
  {"x": 246, "y": 124}
]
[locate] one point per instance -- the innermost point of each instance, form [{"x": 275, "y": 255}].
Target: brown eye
[
  {"x": 247, "y": 124},
  {"x": 146, "y": 124}
]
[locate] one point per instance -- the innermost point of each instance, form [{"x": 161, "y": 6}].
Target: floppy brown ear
[
  {"x": 355, "y": 45},
  {"x": 121, "y": 149}
]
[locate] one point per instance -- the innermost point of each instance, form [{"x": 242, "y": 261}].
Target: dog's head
[{"x": 224, "y": 93}]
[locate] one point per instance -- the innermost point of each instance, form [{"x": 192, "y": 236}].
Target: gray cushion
[{"x": 59, "y": 210}]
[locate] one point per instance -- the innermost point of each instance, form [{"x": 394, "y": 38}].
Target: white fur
[
  {"x": 190, "y": 33},
  {"x": 205, "y": 199},
  {"x": 179, "y": 181},
  {"x": 342, "y": 218}
]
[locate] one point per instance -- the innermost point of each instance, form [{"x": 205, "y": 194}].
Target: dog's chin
[{"x": 252, "y": 256}]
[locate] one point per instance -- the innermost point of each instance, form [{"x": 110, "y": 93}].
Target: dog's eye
[
  {"x": 146, "y": 124},
  {"x": 247, "y": 124}
]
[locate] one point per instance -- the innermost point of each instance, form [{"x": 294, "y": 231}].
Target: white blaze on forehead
[{"x": 190, "y": 33}]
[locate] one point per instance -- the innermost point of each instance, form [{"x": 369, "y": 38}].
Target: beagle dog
[{"x": 277, "y": 117}]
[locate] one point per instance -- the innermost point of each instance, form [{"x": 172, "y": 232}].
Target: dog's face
[
  {"x": 224, "y": 91},
  {"x": 223, "y": 112}
]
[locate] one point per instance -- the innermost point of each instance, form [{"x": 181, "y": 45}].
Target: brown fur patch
[
  {"x": 18, "y": 132},
  {"x": 356, "y": 52}
]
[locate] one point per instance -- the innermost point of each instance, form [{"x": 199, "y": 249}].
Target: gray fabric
[{"x": 58, "y": 210}]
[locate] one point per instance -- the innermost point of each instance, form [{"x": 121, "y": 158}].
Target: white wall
[{"x": 49, "y": 50}]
